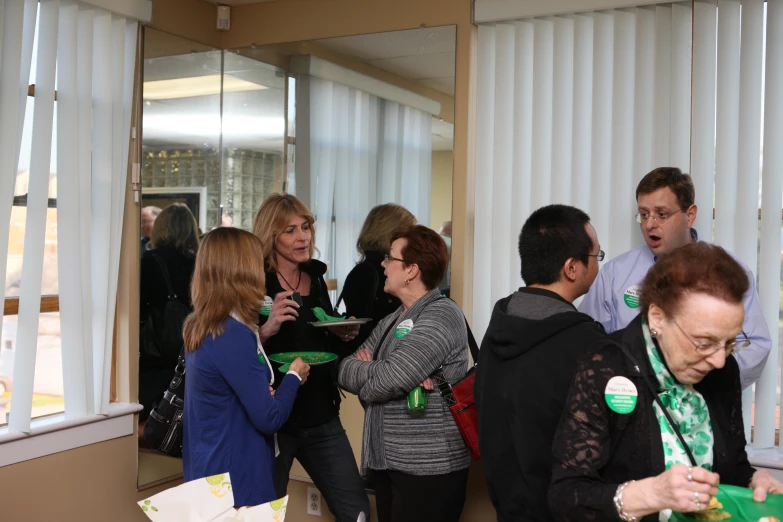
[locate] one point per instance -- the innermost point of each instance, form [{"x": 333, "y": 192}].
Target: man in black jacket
[{"x": 528, "y": 358}]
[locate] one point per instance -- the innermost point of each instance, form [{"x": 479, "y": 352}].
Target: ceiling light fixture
[{"x": 196, "y": 86}]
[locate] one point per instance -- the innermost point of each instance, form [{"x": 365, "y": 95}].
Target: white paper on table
[{"x": 208, "y": 500}]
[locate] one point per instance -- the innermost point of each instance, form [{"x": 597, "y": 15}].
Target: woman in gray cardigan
[{"x": 419, "y": 463}]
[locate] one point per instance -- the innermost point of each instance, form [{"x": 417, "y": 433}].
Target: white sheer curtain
[
  {"x": 574, "y": 109},
  {"x": 90, "y": 55},
  {"x": 364, "y": 151}
]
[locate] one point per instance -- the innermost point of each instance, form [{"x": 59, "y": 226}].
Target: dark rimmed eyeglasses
[
  {"x": 599, "y": 256},
  {"x": 388, "y": 258},
  {"x": 708, "y": 348}
]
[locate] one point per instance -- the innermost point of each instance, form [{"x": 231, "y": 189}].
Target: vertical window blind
[
  {"x": 84, "y": 59},
  {"x": 576, "y": 108}
]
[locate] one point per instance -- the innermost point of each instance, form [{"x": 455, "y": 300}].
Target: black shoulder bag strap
[{"x": 654, "y": 392}]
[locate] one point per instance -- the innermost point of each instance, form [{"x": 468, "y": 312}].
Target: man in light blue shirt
[{"x": 665, "y": 199}]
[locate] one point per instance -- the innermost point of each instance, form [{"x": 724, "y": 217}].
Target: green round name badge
[
  {"x": 403, "y": 328},
  {"x": 621, "y": 395},
  {"x": 266, "y": 306},
  {"x": 631, "y": 296}
]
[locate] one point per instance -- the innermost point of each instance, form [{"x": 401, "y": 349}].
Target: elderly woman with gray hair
[{"x": 419, "y": 462}]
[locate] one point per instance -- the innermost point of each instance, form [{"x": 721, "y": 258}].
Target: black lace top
[{"x": 596, "y": 449}]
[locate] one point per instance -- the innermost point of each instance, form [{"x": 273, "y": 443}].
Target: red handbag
[{"x": 459, "y": 398}]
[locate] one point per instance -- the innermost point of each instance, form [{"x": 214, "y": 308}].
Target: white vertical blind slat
[
  {"x": 84, "y": 129},
  {"x": 543, "y": 48},
  {"x": 102, "y": 143},
  {"x": 500, "y": 259},
  {"x": 35, "y": 227},
  {"x": 29, "y": 23},
  {"x": 680, "y": 148},
  {"x": 727, "y": 118},
  {"x": 485, "y": 112},
  {"x": 644, "y": 100},
  {"x": 748, "y": 165},
  {"x": 522, "y": 141},
  {"x": 771, "y": 204},
  {"x": 622, "y": 191},
  {"x": 601, "y": 153},
  {"x": 583, "y": 112},
  {"x": 703, "y": 146},
  {"x": 10, "y": 70},
  {"x": 562, "y": 109},
  {"x": 663, "y": 74},
  {"x": 75, "y": 381}
]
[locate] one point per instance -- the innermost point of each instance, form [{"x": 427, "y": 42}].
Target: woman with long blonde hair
[
  {"x": 231, "y": 412},
  {"x": 295, "y": 286}
]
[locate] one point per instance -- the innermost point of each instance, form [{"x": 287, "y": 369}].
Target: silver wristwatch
[{"x": 618, "y": 503}]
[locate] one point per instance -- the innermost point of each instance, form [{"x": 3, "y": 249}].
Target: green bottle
[{"x": 417, "y": 402}]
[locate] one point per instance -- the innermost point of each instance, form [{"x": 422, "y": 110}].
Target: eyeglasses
[
  {"x": 388, "y": 258},
  {"x": 599, "y": 256},
  {"x": 709, "y": 348},
  {"x": 644, "y": 217}
]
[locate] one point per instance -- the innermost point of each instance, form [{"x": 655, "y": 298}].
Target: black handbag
[{"x": 163, "y": 430}]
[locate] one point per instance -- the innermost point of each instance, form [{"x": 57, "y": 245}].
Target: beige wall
[{"x": 442, "y": 179}]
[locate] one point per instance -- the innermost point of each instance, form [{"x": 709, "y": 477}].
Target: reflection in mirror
[
  {"x": 370, "y": 119},
  {"x": 345, "y": 124}
]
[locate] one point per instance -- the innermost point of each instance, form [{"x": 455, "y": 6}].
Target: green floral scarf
[{"x": 688, "y": 410}]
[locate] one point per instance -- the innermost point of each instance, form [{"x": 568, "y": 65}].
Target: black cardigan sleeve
[{"x": 582, "y": 446}]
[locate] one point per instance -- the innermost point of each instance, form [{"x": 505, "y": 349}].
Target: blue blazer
[{"x": 230, "y": 415}]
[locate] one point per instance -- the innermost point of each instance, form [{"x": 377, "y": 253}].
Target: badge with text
[
  {"x": 621, "y": 395},
  {"x": 266, "y": 306},
  {"x": 403, "y": 328},
  {"x": 631, "y": 296}
]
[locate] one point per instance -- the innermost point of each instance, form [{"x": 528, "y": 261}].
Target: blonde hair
[
  {"x": 176, "y": 227},
  {"x": 273, "y": 217},
  {"x": 229, "y": 277},
  {"x": 380, "y": 225}
]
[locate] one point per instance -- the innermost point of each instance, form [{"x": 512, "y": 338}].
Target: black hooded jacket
[{"x": 528, "y": 358}]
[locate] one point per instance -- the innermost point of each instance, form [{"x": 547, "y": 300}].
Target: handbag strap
[
  {"x": 654, "y": 392},
  {"x": 169, "y": 287},
  {"x": 179, "y": 370}
]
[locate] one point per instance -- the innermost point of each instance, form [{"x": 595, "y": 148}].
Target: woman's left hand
[
  {"x": 345, "y": 333},
  {"x": 427, "y": 384},
  {"x": 762, "y": 483},
  {"x": 364, "y": 355},
  {"x": 272, "y": 391}
]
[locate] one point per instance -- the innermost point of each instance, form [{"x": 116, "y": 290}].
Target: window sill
[
  {"x": 769, "y": 458},
  {"x": 57, "y": 433}
]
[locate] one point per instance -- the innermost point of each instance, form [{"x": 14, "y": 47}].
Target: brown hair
[
  {"x": 381, "y": 224},
  {"x": 679, "y": 183},
  {"x": 697, "y": 268},
  {"x": 229, "y": 276},
  {"x": 176, "y": 227},
  {"x": 426, "y": 249},
  {"x": 273, "y": 217}
]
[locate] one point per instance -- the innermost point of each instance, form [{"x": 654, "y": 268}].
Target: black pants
[
  {"x": 401, "y": 497},
  {"x": 325, "y": 453}
]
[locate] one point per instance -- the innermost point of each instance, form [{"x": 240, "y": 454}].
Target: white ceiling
[{"x": 425, "y": 55}]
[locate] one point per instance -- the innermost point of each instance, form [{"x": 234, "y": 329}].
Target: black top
[
  {"x": 154, "y": 293},
  {"x": 318, "y": 400},
  {"x": 597, "y": 449},
  {"x": 525, "y": 368},
  {"x": 364, "y": 296}
]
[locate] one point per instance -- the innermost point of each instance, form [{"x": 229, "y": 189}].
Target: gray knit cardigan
[{"x": 393, "y": 440}]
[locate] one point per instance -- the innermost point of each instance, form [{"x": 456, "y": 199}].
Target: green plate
[
  {"x": 311, "y": 358},
  {"x": 739, "y": 503}
]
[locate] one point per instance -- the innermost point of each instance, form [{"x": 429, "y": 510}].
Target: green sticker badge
[
  {"x": 621, "y": 395},
  {"x": 631, "y": 296},
  {"x": 403, "y": 328},
  {"x": 266, "y": 306}
]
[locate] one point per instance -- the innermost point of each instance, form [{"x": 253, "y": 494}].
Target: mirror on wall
[{"x": 344, "y": 123}]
